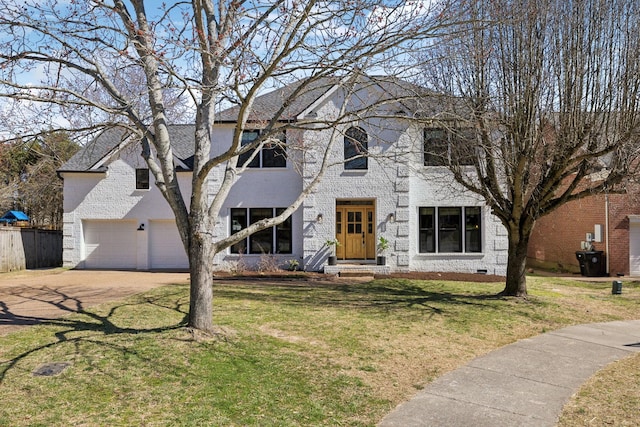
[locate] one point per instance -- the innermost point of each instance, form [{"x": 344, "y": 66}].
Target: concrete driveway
[{"x": 31, "y": 297}]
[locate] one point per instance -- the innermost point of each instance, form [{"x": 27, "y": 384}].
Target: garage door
[
  {"x": 110, "y": 244},
  {"x": 634, "y": 248},
  {"x": 165, "y": 247}
]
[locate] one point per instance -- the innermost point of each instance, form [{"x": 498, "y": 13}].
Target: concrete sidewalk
[{"x": 523, "y": 384}]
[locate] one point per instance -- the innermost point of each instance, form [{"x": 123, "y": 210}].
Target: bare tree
[
  {"x": 40, "y": 189},
  {"x": 550, "y": 90},
  {"x": 214, "y": 54},
  {"x": 29, "y": 180}
]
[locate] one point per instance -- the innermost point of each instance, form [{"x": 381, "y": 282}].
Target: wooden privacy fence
[{"x": 22, "y": 248}]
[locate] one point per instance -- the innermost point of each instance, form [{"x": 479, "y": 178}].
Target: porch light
[
  {"x": 141, "y": 227},
  {"x": 319, "y": 218},
  {"x": 391, "y": 217}
]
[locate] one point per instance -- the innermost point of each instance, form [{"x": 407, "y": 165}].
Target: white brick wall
[
  {"x": 394, "y": 188},
  {"x": 111, "y": 196}
]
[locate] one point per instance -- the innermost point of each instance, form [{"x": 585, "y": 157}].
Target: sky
[{"x": 12, "y": 114}]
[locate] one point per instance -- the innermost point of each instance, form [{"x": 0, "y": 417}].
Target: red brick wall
[{"x": 557, "y": 236}]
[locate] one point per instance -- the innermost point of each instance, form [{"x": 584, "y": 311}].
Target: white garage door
[
  {"x": 165, "y": 247},
  {"x": 634, "y": 248},
  {"x": 110, "y": 244}
]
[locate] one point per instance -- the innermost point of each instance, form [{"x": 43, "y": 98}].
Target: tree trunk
[
  {"x": 516, "y": 283},
  {"x": 201, "y": 292}
]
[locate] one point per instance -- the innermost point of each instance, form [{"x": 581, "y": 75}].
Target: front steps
[{"x": 356, "y": 270}]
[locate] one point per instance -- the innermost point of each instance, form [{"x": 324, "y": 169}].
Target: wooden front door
[{"x": 355, "y": 232}]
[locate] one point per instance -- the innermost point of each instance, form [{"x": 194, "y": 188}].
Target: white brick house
[{"x": 115, "y": 218}]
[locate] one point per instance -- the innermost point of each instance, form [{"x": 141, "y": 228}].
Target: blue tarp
[{"x": 13, "y": 216}]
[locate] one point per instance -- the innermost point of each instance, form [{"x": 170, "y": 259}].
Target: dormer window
[{"x": 142, "y": 179}]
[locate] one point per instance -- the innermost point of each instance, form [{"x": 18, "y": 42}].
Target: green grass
[
  {"x": 609, "y": 398},
  {"x": 289, "y": 353}
]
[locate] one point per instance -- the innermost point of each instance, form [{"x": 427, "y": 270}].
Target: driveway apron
[{"x": 34, "y": 297}]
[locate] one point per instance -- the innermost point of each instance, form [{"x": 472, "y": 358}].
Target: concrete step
[
  {"x": 356, "y": 273},
  {"x": 356, "y": 270}
]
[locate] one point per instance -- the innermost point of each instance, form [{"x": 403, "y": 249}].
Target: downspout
[{"x": 606, "y": 229}]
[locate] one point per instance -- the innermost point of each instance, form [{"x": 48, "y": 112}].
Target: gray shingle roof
[
  {"x": 95, "y": 150},
  {"x": 182, "y": 136},
  {"x": 296, "y": 98},
  {"x": 181, "y": 139},
  {"x": 293, "y": 99},
  {"x": 417, "y": 100}
]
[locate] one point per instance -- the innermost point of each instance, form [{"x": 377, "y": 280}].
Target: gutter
[
  {"x": 606, "y": 230},
  {"x": 61, "y": 172}
]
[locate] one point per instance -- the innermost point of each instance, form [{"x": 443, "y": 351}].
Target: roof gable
[
  {"x": 299, "y": 98},
  {"x": 293, "y": 99},
  {"x": 94, "y": 156},
  {"x": 95, "y": 150}
]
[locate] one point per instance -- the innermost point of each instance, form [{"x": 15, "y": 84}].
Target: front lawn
[{"x": 287, "y": 353}]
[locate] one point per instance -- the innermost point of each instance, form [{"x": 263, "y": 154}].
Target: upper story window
[
  {"x": 450, "y": 229},
  {"x": 442, "y": 146},
  {"x": 356, "y": 146},
  {"x": 142, "y": 179},
  {"x": 435, "y": 147},
  {"x": 272, "y": 154}
]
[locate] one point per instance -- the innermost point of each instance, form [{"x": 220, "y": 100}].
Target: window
[
  {"x": 442, "y": 146},
  {"x": 473, "y": 242},
  {"x": 449, "y": 230},
  {"x": 271, "y": 240},
  {"x": 272, "y": 155},
  {"x": 356, "y": 143},
  {"x": 440, "y": 229},
  {"x": 435, "y": 147},
  {"x": 284, "y": 235},
  {"x": 142, "y": 179},
  {"x": 427, "y": 232}
]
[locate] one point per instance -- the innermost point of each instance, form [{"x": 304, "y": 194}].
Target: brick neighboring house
[{"x": 557, "y": 236}]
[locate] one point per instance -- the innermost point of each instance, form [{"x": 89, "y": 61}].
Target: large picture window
[
  {"x": 441, "y": 229},
  {"x": 271, "y": 240},
  {"x": 272, "y": 154},
  {"x": 356, "y": 146}
]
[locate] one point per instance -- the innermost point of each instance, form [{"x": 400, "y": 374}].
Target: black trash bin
[{"x": 592, "y": 263}]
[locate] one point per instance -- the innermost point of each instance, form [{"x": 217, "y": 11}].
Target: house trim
[{"x": 634, "y": 219}]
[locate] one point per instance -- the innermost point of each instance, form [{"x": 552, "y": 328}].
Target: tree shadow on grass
[
  {"x": 380, "y": 295},
  {"x": 401, "y": 296},
  {"x": 69, "y": 313}
]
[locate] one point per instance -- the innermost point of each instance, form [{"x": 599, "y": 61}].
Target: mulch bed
[
  {"x": 432, "y": 275},
  {"x": 312, "y": 276}
]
